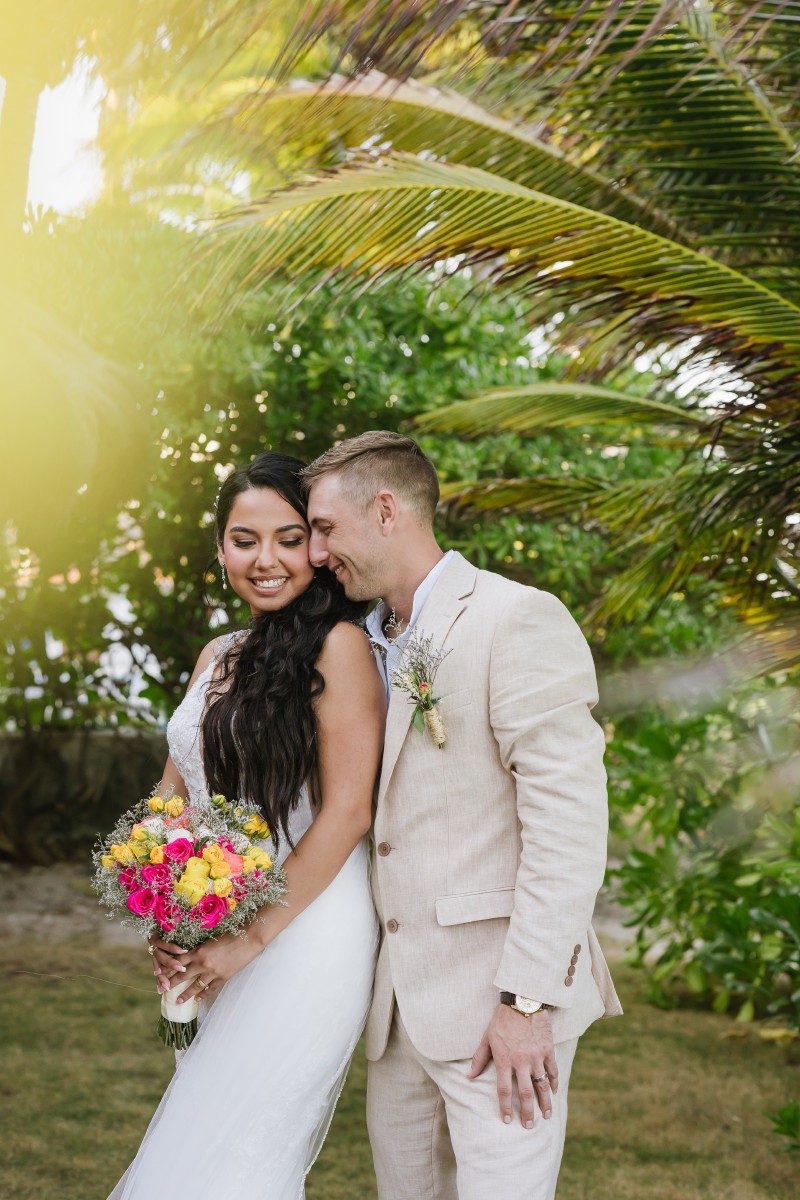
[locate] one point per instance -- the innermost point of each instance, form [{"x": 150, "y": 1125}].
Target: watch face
[{"x": 527, "y": 1006}]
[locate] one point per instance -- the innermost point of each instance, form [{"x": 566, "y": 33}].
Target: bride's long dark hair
[{"x": 259, "y": 729}]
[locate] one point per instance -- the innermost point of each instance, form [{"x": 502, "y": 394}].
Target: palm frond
[
  {"x": 316, "y": 124},
  {"x": 532, "y": 407},
  {"x": 656, "y": 96},
  {"x": 702, "y": 518},
  {"x": 402, "y": 213},
  {"x": 544, "y": 495}
]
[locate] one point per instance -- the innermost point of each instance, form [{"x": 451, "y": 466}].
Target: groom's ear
[{"x": 388, "y": 510}]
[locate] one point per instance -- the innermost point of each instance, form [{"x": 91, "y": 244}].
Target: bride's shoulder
[
  {"x": 347, "y": 666},
  {"x": 346, "y": 645},
  {"x": 212, "y": 651}
]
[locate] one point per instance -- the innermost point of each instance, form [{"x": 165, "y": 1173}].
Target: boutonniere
[{"x": 415, "y": 674}]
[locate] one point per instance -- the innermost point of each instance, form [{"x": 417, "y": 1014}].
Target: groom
[{"x": 489, "y": 851}]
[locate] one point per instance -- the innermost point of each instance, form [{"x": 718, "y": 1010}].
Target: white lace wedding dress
[{"x": 251, "y": 1100}]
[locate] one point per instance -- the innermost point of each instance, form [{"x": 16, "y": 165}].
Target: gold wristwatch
[{"x": 523, "y": 1004}]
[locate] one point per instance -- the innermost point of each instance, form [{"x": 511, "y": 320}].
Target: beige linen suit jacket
[{"x": 488, "y": 854}]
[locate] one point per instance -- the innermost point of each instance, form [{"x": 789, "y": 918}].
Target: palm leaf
[
  {"x": 665, "y": 529},
  {"x": 658, "y": 96},
  {"x": 316, "y": 123},
  {"x": 544, "y": 495},
  {"x": 536, "y": 406},
  {"x": 403, "y": 213}
]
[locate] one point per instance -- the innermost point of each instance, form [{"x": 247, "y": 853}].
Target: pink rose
[
  {"x": 167, "y": 913},
  {"x": 210, "y": 910},
  {"x": 179, "y": 851},
  {"x": 128, "y": 878},
  {"x": 142, "y": 902},
  {"x": 225, "y": 843},
  {"x": 157, "y": 875}
]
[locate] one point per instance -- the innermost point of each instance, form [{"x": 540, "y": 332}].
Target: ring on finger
[
  {"x": 541, "y": 1078},
  {"x": 151, "y": 950}
]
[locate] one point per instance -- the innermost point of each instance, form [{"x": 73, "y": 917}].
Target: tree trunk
[{"x": 17, "y": 125}]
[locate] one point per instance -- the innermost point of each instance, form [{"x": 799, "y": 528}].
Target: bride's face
[{"x": 265, "y": 550}]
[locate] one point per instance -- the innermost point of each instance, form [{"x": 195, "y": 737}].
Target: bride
[{"x": 287, "y": 715}]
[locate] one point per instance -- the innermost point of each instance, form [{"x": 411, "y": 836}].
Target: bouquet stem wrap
[{"x": 178, "y": 1024}]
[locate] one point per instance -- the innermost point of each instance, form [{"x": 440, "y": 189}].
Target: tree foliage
[{"x": 626, "y": 170}]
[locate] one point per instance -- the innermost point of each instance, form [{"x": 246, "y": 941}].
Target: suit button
[
  {"x": 384, "y": 848},
  {"x": 574, "y": 959},
  {"x": 568, "y": 981},
  {"x": 571, "y": 972},
  {"x": 393, "y": 927},
  {"x": 577, "y": 950}
]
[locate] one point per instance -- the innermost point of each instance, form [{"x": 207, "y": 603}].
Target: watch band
[{"x": 523, "y": 1004}]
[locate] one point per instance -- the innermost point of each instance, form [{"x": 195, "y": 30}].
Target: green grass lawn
[{"x": 663, "y": 1106}]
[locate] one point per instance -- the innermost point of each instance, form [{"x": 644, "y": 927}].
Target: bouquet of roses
[{"x": 186, "y": 873}]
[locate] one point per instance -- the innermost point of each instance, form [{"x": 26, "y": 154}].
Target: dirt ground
[{"x": 50, "y": 904}]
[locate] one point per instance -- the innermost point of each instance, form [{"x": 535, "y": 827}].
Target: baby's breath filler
[{"x": 415, "y": 674}]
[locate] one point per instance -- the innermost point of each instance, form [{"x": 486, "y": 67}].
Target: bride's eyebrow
[{"x": 281, "y": 529}]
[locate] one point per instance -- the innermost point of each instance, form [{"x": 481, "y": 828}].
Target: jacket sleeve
[{"x": 542, "y": 690}]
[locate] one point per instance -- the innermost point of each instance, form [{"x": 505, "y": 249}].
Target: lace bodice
[{"x": 183, "y": 738}]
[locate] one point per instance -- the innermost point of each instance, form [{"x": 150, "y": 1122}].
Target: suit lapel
[{"x": 440, "y": 612}]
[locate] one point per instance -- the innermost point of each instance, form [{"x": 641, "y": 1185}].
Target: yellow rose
[
  {"x": 260, "y": 858},
  {"x": 140, "y": 850},
  {"x": 157, "y": 854},
  {"x": 108, "y": 861},
  {"x": 231, "y": 904},
  {"x": 255, "y": 827},
  {"x": 123, "y": 854},
  {"x": 223, "y": 887},
  {"x": 213, "y": 854},
  {"x": 155, "y": 804},
  {"x": 248, "y": 864},
  {"x": 138, "y": 834},
  {"x": 191, "y": 888},
  {"x": 196, "y": 867},
  {"x": 219, "y": 871},
  {"x": 174, "y": 807},
  {"x": 218, "y": 800}
]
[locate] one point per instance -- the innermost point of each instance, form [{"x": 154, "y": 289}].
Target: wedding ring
[
  {"x": 541, "y": 1078},
  {"x": 203, "y": 985},
  {"x": 151, "y": 950}
]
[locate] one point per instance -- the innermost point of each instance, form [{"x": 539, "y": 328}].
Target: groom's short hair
[{"x": 376, "y": 461}]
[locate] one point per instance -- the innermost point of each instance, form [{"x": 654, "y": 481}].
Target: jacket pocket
[
  {"x": 455, "y": 700},
  {"x": 474, "y": 906}
]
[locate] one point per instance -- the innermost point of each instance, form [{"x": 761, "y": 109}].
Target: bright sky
[{"x": 65, "y": 168}]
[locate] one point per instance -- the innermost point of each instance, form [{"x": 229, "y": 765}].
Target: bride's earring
[{"x": 224, "y": 576}]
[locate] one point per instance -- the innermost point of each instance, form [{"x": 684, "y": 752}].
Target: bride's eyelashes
[{"x": 289, "y": 545}]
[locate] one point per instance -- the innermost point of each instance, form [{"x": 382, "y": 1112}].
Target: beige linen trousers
[{"x": 488, "y": 853}]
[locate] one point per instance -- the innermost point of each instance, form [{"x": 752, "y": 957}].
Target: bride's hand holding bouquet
[{"x": 188, "y": 874}]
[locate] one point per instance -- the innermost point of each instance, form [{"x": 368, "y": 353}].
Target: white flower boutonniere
[{"x": 415, "y": 674}]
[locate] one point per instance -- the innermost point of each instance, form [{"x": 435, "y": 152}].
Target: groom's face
[{"x": 345, "y": 539}]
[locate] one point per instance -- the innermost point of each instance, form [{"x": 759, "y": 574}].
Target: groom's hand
[{"x": 521, "y": 1047}]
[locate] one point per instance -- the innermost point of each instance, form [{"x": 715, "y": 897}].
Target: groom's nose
[{"x": 317, "y": 549}]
